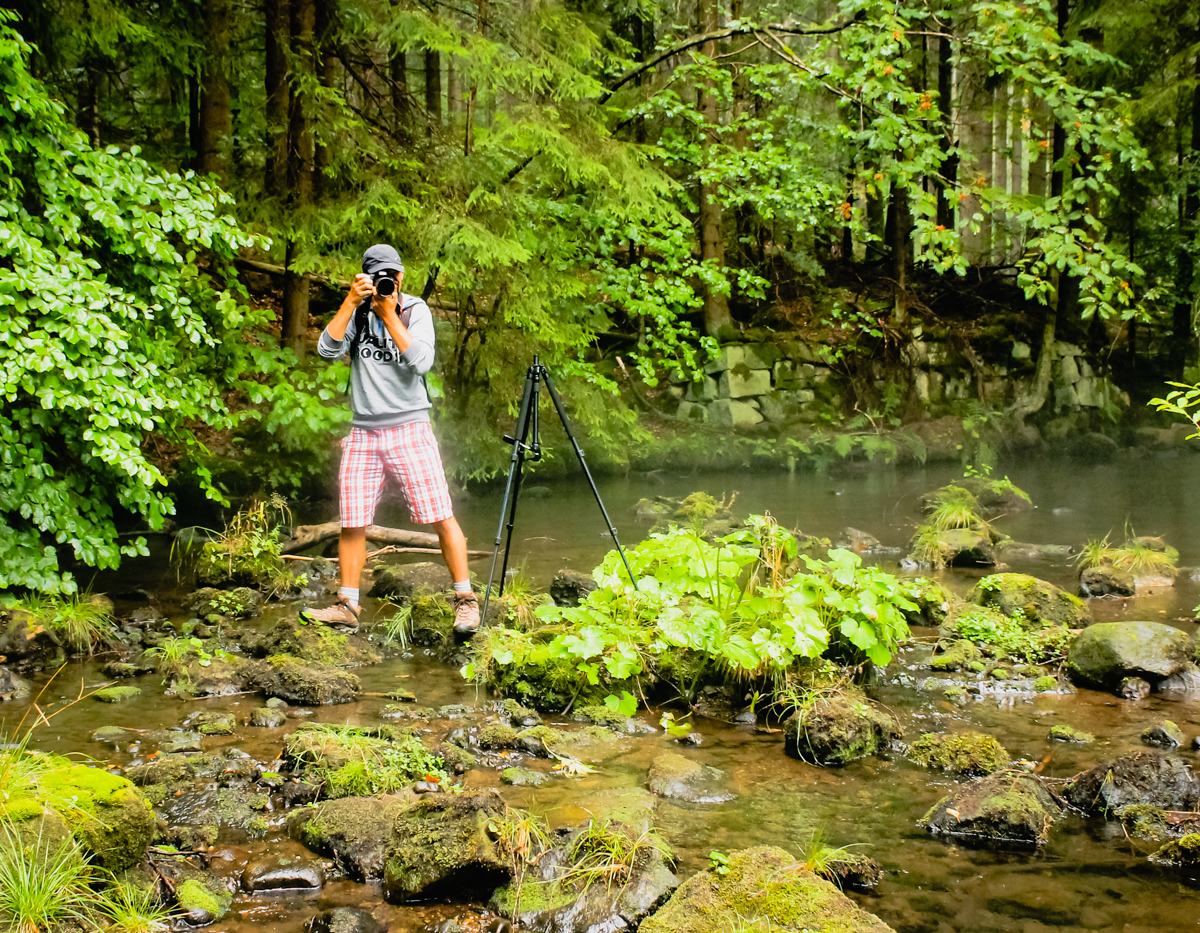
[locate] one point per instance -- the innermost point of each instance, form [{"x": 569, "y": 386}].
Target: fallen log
[{"x": 306, "y": 536}]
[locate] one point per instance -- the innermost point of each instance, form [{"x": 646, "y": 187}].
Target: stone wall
[{"x": 791, "y": 381}]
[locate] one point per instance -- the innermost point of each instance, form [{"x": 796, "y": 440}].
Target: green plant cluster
[
  {"x": 1013, "y": 636},
  {"x": 81, "y": 622},
  {"x": 359, "y": 762},
  {"x": 1139, "y": 556},
  {"x": 729, "y": 610}
]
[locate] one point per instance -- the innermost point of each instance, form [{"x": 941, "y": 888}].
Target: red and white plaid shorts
[{"x": 409, "y": 452}]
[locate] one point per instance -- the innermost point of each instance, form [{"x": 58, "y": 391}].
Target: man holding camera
[{"x": 389, "y": 338}]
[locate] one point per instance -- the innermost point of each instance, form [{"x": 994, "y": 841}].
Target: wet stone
[
  {"x": 523, "y": 777},
  {"x": 1134, "y": 688},
  {"x": 267, "y": 718},
  {"x": 213, "y": 723},
  {"x": 1009, "y": 808},
  {"x": 679, "y": 778},
  {"x": 283, "y": 875},
  {"x": 1137, "y": 778},
  {"x": 344, "y": 920},
  {"x": 1163, "y": 734},
  {"x": 111, "y": 735}
]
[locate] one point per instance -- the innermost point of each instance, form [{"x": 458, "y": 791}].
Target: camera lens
[{"x": 385, "y": 287}]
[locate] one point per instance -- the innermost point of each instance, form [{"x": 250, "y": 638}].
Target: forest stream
[{"x": 1090, "y": 875}]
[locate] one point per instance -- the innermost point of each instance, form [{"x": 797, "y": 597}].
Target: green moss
[
  {"x": 955, "y": 657},
  {"x": 117, "y": 694},
  {"x": 999, "y": 673},
  {"x": 600, "y": 715},
  {"x": 432, "y": 621},
  {"x": 496, "y": 735},
  {"x": 354, "y": 761},
  {"x": 1144, "y": 820},
  {"x": 193, "y": 894},
  {"x": 954, "y": 693},
  {"x": 531, "y": 897},
  {"x": 960, "y": 753},
  {"x": 1183, "y": 852},
  {"x": 976, "y": 667},
  {"x": 1061, "y": 733},
  {"x": 1046, "y": 684}
]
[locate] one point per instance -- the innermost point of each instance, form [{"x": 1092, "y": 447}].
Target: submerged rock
[
  {"x": 1035, "y": 602},
  {"x": 344, "y": 920},
  {"x": 973, "y": 753},
  {"x": 763, "y": 888},
  {"x": 353, "y": 831},
  {"x": 523, "y": 777},
  {"x": 674, "y": 776},
  {"x": 1140, "y": 777},
  {"x": 1105, "y": 653},
  {"x": 1163, "y": 734},
  {"x": 441, "y": 845},
  {"x": 1004, "y": 809},
  {"x": 839, "y": 729},
  {"x": 1179, "y": 853}
]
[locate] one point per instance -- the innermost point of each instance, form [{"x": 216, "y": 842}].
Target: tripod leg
[
  {"x": 562, "y": 416},
  {"x": 534, "y": 447},
  {"x": 509, "y": 504}
]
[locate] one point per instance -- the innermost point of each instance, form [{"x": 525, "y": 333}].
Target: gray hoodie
[{"x": 387, "y": 387}]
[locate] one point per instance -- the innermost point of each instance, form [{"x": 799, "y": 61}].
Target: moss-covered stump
[
  {"x": 1009, "y": 808},
  {"x": 1179, "y": 853},
  {"x": 760, "y": 889},
  {"x": 239, "y": 603},
  {"x": 1037, "y": 602},
  {"x": 672, "y": 775},
  {"x": 109, "y": 818},
  {"x": 838, "y": 729},
  {"x": 1106, "y": 653},
  {"x": 1137, "y": 778},
  {"x": 570, "y": 891},
  {"x": 350, "y": 761},
  {"x": 972, "y": 753},
  {"x": 442, "y": 845},
  {"x": 353, "y": 831},
  {"x": 311, "y": 642},
  {"x": 306, "y": 683},
  {"x": 403, "y": 581}
]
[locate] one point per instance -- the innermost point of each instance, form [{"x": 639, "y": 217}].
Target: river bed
[{"x": 1089, "y": 877}]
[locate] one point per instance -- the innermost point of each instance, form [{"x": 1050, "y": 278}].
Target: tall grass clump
[{"x": 43, "y": 882}]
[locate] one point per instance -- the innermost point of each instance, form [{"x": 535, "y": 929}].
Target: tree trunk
[
  {"x": 88, "y": 116},
  {"x": 949, "y": 168},
  {"x": 325, "y": 56},
  {"x": 294, "y": 326},
  {"x": 433, "y": 88},
  {"x": 215, "y": 116},
  {"x": 902, "y": 250},
  {"x": 1181, "y": 330},
  {"x": 401, "y": 112},
  {"x": 712, "y": 243},
  {"x": 278, "y": 32}
]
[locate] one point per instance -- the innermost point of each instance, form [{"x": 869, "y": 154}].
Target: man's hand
[
  {"x": 385, "y": 307},
  {"x": 360, "y": 288}
]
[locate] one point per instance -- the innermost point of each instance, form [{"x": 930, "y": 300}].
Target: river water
[{"x": 1089, "y": 877}]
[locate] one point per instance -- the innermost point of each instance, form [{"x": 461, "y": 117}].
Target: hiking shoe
[
  {"x": 466, "y": 614},
  {"x": 340, "y": 615}
]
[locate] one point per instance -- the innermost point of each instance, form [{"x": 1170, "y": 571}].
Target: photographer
[{"x": 389, "y": 338}]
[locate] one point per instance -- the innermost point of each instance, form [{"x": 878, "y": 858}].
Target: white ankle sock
[
  {"x": 351, "y": 593},
  {"x": 463, "y": 587}
]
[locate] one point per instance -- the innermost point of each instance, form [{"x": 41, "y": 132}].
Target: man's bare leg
[
  {"x": 454, "y": 552},
  {"x": 352, "y": 554}
]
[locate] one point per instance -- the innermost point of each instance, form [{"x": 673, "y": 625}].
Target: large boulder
[
  {"x": 1106, "y": 653},
  {"x": 310, "y": 642},
  {"x": 561, "y": 894},
  {"x": 1138, "y": 778},
  {"x": 1009, "y": 808},
  {"x": 1035, "y": 601},
  {"x": 442, "y": 845},
  {"x": 403, "y": 581},
  {"x": 763, "y": 888},
  {"x": 353, "y": 831},
  {"x": 974, "y": 753},
  {"x": 838, "y": 729}
]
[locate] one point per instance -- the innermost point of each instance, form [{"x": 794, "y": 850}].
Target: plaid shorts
[{"x": 409, "y": 452}]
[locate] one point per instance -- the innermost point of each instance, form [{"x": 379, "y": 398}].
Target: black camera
[{"x": 384, "y": 282}]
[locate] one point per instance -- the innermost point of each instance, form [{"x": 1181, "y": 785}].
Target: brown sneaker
[
  {"x": 341, "y": 615},
  {"x": 466, "y": 614}
]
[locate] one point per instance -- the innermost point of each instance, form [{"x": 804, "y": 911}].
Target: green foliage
[
  {"x": 133, "y": 909},
  {"x": 1184, "y": 401},
  {"x": 174, "y": 656},
  {"x": 122, "y": 321},
  {"x": 609, "y": 852},
  {"x": 1136, "y": 555},
  {"x": 396, "y": 629},
  {"x": 80, "y": 622},
  {"x": 247, "y": 550},
  {"x": 361, "y": 762},
  {"x": 43, "y": 882},
  {"x": 1013, "y": 635},
  {"x": 706, "y": 610}
]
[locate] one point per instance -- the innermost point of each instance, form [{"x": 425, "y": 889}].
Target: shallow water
[{"x": 1089, "y": 877}]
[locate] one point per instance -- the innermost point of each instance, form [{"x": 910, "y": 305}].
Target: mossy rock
[
  {"x": 1008, "y": 808},
  {"x": 1046, "y": 684},
  {"x": 1146, "y": 821},
  {"x": 239, "y": 603},
  {"x": 1137, "y": 778},
  {"x": 264, "y": 717},
  {"x": 220, "y": 568},
  {"x": 973, "y": 753},
  {"x": 110, "y": 819},
  {"x": 1037, "y": 602},
  {"x": 519, "y": 715},
  {"x": 838, "y": 729},
  {"x": 403, "y": 581},
  {"x": 497, "y": 735},
  {"x": 353, "y": 831},
  {"x": 933, "y": 602},
  {"x": 675, "y": 776},
  {"x": 760, "y": 889},
  {"x": 212, "y": 722},
  {"x": 312, "y": 643},
  {"x": 202, "y": 898},
  {"x": 117, "y": 694},
  {"x": 1106, "y": 653},
  {"x": 591, "y": 743},
  {"x": 297, "y": 681},
  {"x": 1179, "y": 853},
  {"x": 1162, "y": 734},
  {"x": 432, "y": 622},
  {"x": 442, "y": 845},
  {"x": 523, "y": 777},
  {"x": 355, "y": 762},
  {"x": 166, "y": 769},
  {"x": 1064, "y": 733},
  {"x": 954, "y": 656}
]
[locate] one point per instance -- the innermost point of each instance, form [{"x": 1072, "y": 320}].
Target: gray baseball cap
[{"x": 381, "y": 257}]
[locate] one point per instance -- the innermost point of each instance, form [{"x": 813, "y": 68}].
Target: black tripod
[{"x": 527, "y": 446}]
